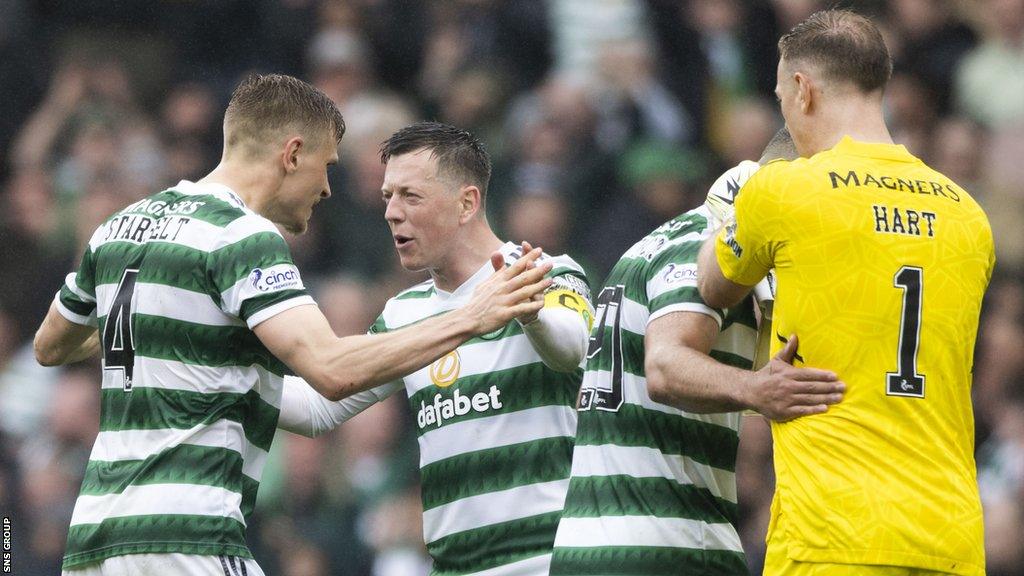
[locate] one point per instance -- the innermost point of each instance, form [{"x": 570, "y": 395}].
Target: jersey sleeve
[
  {"x": 744, "y": 246},
  {"x": 253, "y": 271},
  {"x": 76, "y": 299},
  {"x": 569, "y": 289},
  {"x": 304, "y": 411},
  {"x": 672, "y": 280}
]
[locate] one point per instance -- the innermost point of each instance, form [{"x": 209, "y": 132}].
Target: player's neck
[
  {"x": 859, "y": 118},
  {"x": 253, "y": 182},
  {"x": 470, "y": 250}
]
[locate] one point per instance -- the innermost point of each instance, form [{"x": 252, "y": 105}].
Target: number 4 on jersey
[{"x": 118, "y": 337}]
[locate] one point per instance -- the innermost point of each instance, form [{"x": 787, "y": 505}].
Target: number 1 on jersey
[
  {"x": 906, "y": 381},
  {"x": 118, "y": 336}
]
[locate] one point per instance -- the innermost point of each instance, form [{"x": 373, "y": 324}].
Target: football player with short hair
[
  {"x": 653, "y": 488},
  {"x": 194, "y": 299},
  {"x": 495, "y": 417},
  {"x": 882, "y": 264}
]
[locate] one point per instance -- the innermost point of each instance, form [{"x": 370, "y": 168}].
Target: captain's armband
[{"x": 572, "y": 293}]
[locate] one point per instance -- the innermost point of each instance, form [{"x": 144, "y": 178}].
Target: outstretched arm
[
  {"x": 307, "y": 413},
  {"x": 680, "y": 373},
  {"x": 339, "y": 367}
]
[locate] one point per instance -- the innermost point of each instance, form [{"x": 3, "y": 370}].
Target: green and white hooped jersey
[
  {"x": 190, "y": 397},
  {"x": 653, "y": 488},
  {"x": 495, "y": 429}
]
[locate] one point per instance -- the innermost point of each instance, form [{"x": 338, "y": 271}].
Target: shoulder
[
  {"x": 782, "y": 180},
  {"x": 781, "y": 170},
  {"x": 247, "y": 225},
  {"x": 221, "y": 211},
  {"x": 216, "y": 204},
  {"x": 561, "y": 264},
  {"x": 685, "y": 231},
  {"x": 407, "y": 306},
  {"x": 696, "y": 221}
]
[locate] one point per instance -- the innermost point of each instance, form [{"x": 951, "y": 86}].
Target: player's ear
[
  {"x": 470, "y": 203},
  {"x": 290, "y": 154},
  {"x": 804, "y": 91}
]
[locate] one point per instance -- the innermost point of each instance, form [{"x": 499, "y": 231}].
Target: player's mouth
[{"x": 402, "y": 241}]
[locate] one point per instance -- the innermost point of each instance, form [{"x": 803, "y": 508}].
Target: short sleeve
[
  {"x": 253, "y": 271},
  {"x": 672, "y": 282},
  {"x": 76, "y": 300},
  {"x": 743, "y": 247},
  {"x": 570, "y": 289}
]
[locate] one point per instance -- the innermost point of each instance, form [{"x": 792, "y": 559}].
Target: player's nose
[{"x": 392, "y": 213}]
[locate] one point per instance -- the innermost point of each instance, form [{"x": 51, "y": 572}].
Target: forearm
[
  {"x": 339, "y": 367},
  {"x": 60, "y": 341},
  {"x": 684, "y": 377},
  {"x": 89, "y": 349},
  {"x": 695, "y": 382},
  {"x": 559, "y": 336},
  {"x": 357, "y": 363},
  {"x": 307, "y": 413}
]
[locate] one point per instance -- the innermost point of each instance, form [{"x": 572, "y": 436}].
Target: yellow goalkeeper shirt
[{"x": 881, "y": 263}]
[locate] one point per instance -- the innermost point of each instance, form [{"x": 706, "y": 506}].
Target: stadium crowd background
[{"x": 604, "y": 119}]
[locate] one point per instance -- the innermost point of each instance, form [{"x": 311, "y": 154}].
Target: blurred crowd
[{"x": 604, "y": 118}]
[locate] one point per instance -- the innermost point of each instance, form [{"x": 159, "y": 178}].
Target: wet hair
[
  {"x": 458, "y": 153},
  {"x": 844, "y": 45},
  {"x": 265, "y": 104}
]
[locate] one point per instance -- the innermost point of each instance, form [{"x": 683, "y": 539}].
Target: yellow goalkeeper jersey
[{"x": 881, "y": 265}]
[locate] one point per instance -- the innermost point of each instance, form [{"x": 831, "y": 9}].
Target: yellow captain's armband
[{"x": 571, "y": 300}]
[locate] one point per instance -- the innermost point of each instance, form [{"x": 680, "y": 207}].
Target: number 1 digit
[{"x": 906, "y": 381}]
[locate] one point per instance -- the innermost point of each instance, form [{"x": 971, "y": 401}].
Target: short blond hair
[{"x": 265, "y": 104}]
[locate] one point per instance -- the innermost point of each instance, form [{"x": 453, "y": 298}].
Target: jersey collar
[
  {"x": 213, "y": 189},
  {"x": 896, "y": 152},
  {"x": 466, "y": 288}
]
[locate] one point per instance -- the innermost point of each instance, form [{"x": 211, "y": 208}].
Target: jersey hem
[
  {"x": 271, "y": 311},
  {"x": 883, "y": 558},
  {"x": 81, "y": 559},
  {"x": 686, "y": 307}
]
